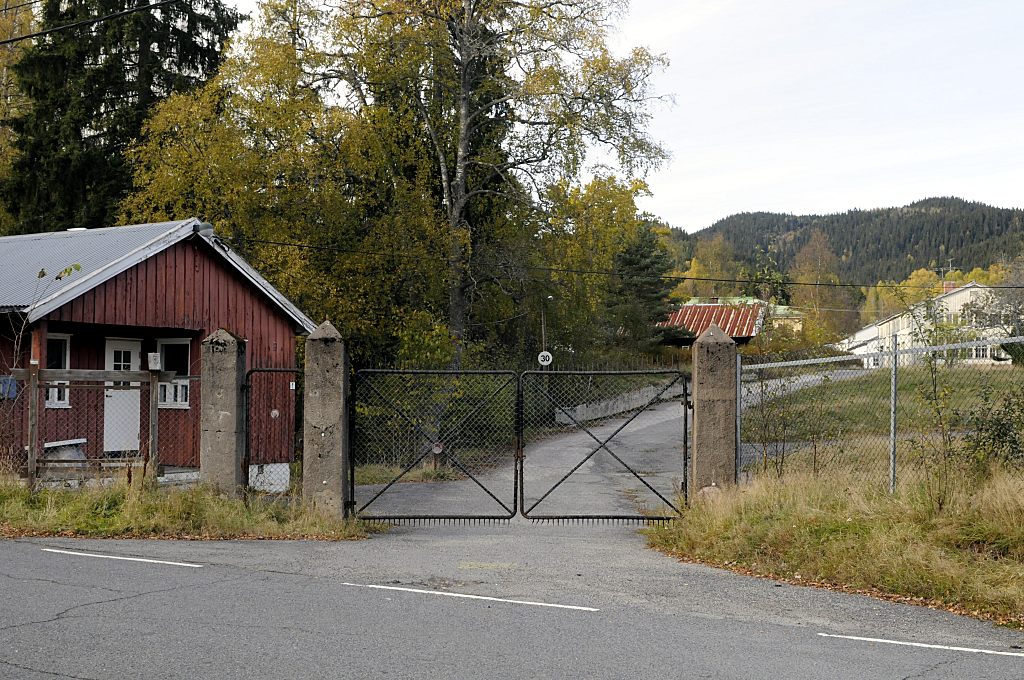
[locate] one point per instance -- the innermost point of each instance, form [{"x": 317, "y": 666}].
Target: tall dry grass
[
  {"x": 121, "y": 509},
  {"x": 968, "y": 556}
]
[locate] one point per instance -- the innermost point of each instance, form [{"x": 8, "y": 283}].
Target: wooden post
[
  {"x": 33, "y": 422},
  {"x": 152, "y": 456},
  {"x": 37, "y": 359}
]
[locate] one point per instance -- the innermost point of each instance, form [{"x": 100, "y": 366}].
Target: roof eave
[
  {"x": 246, "y": 270},
  {"x": 179, "y": 232}
]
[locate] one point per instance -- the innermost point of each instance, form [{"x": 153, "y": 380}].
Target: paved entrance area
[{"x": 303, "y": 609}]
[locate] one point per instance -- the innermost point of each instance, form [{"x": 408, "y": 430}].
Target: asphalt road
[{"x": 302, "y": 610}]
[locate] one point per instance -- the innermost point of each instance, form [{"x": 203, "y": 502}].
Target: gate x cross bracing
[{"x": 467, "y": 446}]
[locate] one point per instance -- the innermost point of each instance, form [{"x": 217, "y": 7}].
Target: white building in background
[{"x": 912, "y": 328}]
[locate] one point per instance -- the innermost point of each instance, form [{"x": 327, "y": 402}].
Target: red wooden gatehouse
[{"x": 110, "y": 298}]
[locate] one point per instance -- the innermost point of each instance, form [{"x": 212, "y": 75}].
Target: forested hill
[{"x": 886, "y": 243}]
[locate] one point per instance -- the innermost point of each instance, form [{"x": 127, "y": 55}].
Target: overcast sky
[
  {"x": 817, "y": 106},
  {"x": 812, "y": 106}
]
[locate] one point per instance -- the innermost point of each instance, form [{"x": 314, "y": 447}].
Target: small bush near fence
[
  {"x": 839, "y": 532},
  {"x": 124, "y": 510}
]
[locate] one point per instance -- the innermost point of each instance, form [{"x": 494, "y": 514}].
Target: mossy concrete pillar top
[
  {"x": 222, "y": 417},
  {"x": 714, "y": 409},
  {"x": 325, "y": 461}
]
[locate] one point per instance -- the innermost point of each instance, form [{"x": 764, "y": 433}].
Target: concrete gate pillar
[
  {"x": 222, "y": 413},
  {"x": 325, "y": 464},
  {"x": 714, "y": 410}
]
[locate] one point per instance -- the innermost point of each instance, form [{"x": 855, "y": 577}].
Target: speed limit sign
[{"x": 544, "y": 358}]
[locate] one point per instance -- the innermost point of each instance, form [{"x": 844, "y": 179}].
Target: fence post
[
  {"x": 33, "y": 422},
  {"x": 325, "y": 454},
  {"x": 222, "y": 429},
  {"x": 714, "y": 410},
  {"x": 892, "y": 416},
  {"x": 152, "y": 457},
  {"x": 739, "y": 411}
]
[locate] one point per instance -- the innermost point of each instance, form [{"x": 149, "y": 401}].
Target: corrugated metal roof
[
  {"x": 100, "y": 255},
  {"x": 25, "y": 257},
  {"x": 738, "y": 321}
]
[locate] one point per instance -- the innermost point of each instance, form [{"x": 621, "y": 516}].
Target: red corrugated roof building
[{"x": 740, "y": 322}]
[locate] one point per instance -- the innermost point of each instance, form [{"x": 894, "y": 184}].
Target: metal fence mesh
[
  {"x": 92, "y": 429},
  {"x": 13, "y": 421},
  {"x": 884, "y": 418},
  {"x": 434, "y": 443},
  {"x": 179, "y": 428},
  {"x": 814, "y": 417},
  {"x": 95, "y": 430},
  {"x": 603, "y": 444}
]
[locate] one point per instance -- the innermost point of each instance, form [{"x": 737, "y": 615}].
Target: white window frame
[
  {"x": 60, "y": 397},
  {"x": 178, "y": 390}
]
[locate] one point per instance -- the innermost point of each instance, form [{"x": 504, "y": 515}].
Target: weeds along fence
[
  {"x": 920, "y": 415},
  {"x": 72, "y": 426}
]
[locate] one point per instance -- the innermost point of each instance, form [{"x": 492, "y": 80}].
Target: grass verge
[
  {"x": 860, "y": 405},
  {"x": 123, "y": 511},
  {"x": 967, "y": 558}
]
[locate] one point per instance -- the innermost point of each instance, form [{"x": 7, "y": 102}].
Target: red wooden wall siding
[{"x": 185, "y": 288}]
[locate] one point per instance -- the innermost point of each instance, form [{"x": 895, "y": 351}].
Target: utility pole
[{"x": 942, "y": 271}]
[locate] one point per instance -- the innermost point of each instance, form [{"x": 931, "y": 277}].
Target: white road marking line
[
  {"x": 472, "y": 597},
  {"x": 921, "y": 644},
  {"x": 117, "y": 557}
]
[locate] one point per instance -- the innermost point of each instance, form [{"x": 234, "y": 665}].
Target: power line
[
  {"x": 608, "y": 272},
  {"x": 24, "y": 4},
  {"x": 87, "y": 22}
]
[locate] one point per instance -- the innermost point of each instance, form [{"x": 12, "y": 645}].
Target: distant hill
[{"x": 886, "y": 243}]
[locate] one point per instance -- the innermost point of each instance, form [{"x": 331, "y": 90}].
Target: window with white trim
[
  {"x": 174, "y": 358},
  {"x": 58, "y": 356}
]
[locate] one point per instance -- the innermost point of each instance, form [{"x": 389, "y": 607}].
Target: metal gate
[
  {"x": 273, "y": 437},
  {"x": 603, "y": 445},
  {"x": 434, "y": 445},
  {"x": 548, "y": 445}
]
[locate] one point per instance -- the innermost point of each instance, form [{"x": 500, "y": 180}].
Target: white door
[{"x": 120, "y": 406}]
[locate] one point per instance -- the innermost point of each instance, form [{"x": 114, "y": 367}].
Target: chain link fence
[
  {"x": 603, "y": 444},
  {"x": 431, "y": 443},
  {"x": 13, "y": 424},
  {"x": 94, "y": 430},
  {"x": 919, "y": 415}
]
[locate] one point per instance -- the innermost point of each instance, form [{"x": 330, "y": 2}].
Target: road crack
[
  {"x": 64, "y": 613},
  {"x": 934, "y": 667},
  {"x": 8, "y": 662},
  {"x": 59, "y": 583}
]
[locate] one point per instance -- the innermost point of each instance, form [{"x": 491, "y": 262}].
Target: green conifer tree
[
  {"x": 639, "y": 295},
  {"x": 90, "y": 89}
]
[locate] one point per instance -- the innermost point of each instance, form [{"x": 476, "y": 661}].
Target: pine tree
[
  {"x": 639, "y": 295},
  {"x": 91, "y": 89}
]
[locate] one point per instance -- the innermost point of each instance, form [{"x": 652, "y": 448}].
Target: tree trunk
[{"x": 460, "y": 249}]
